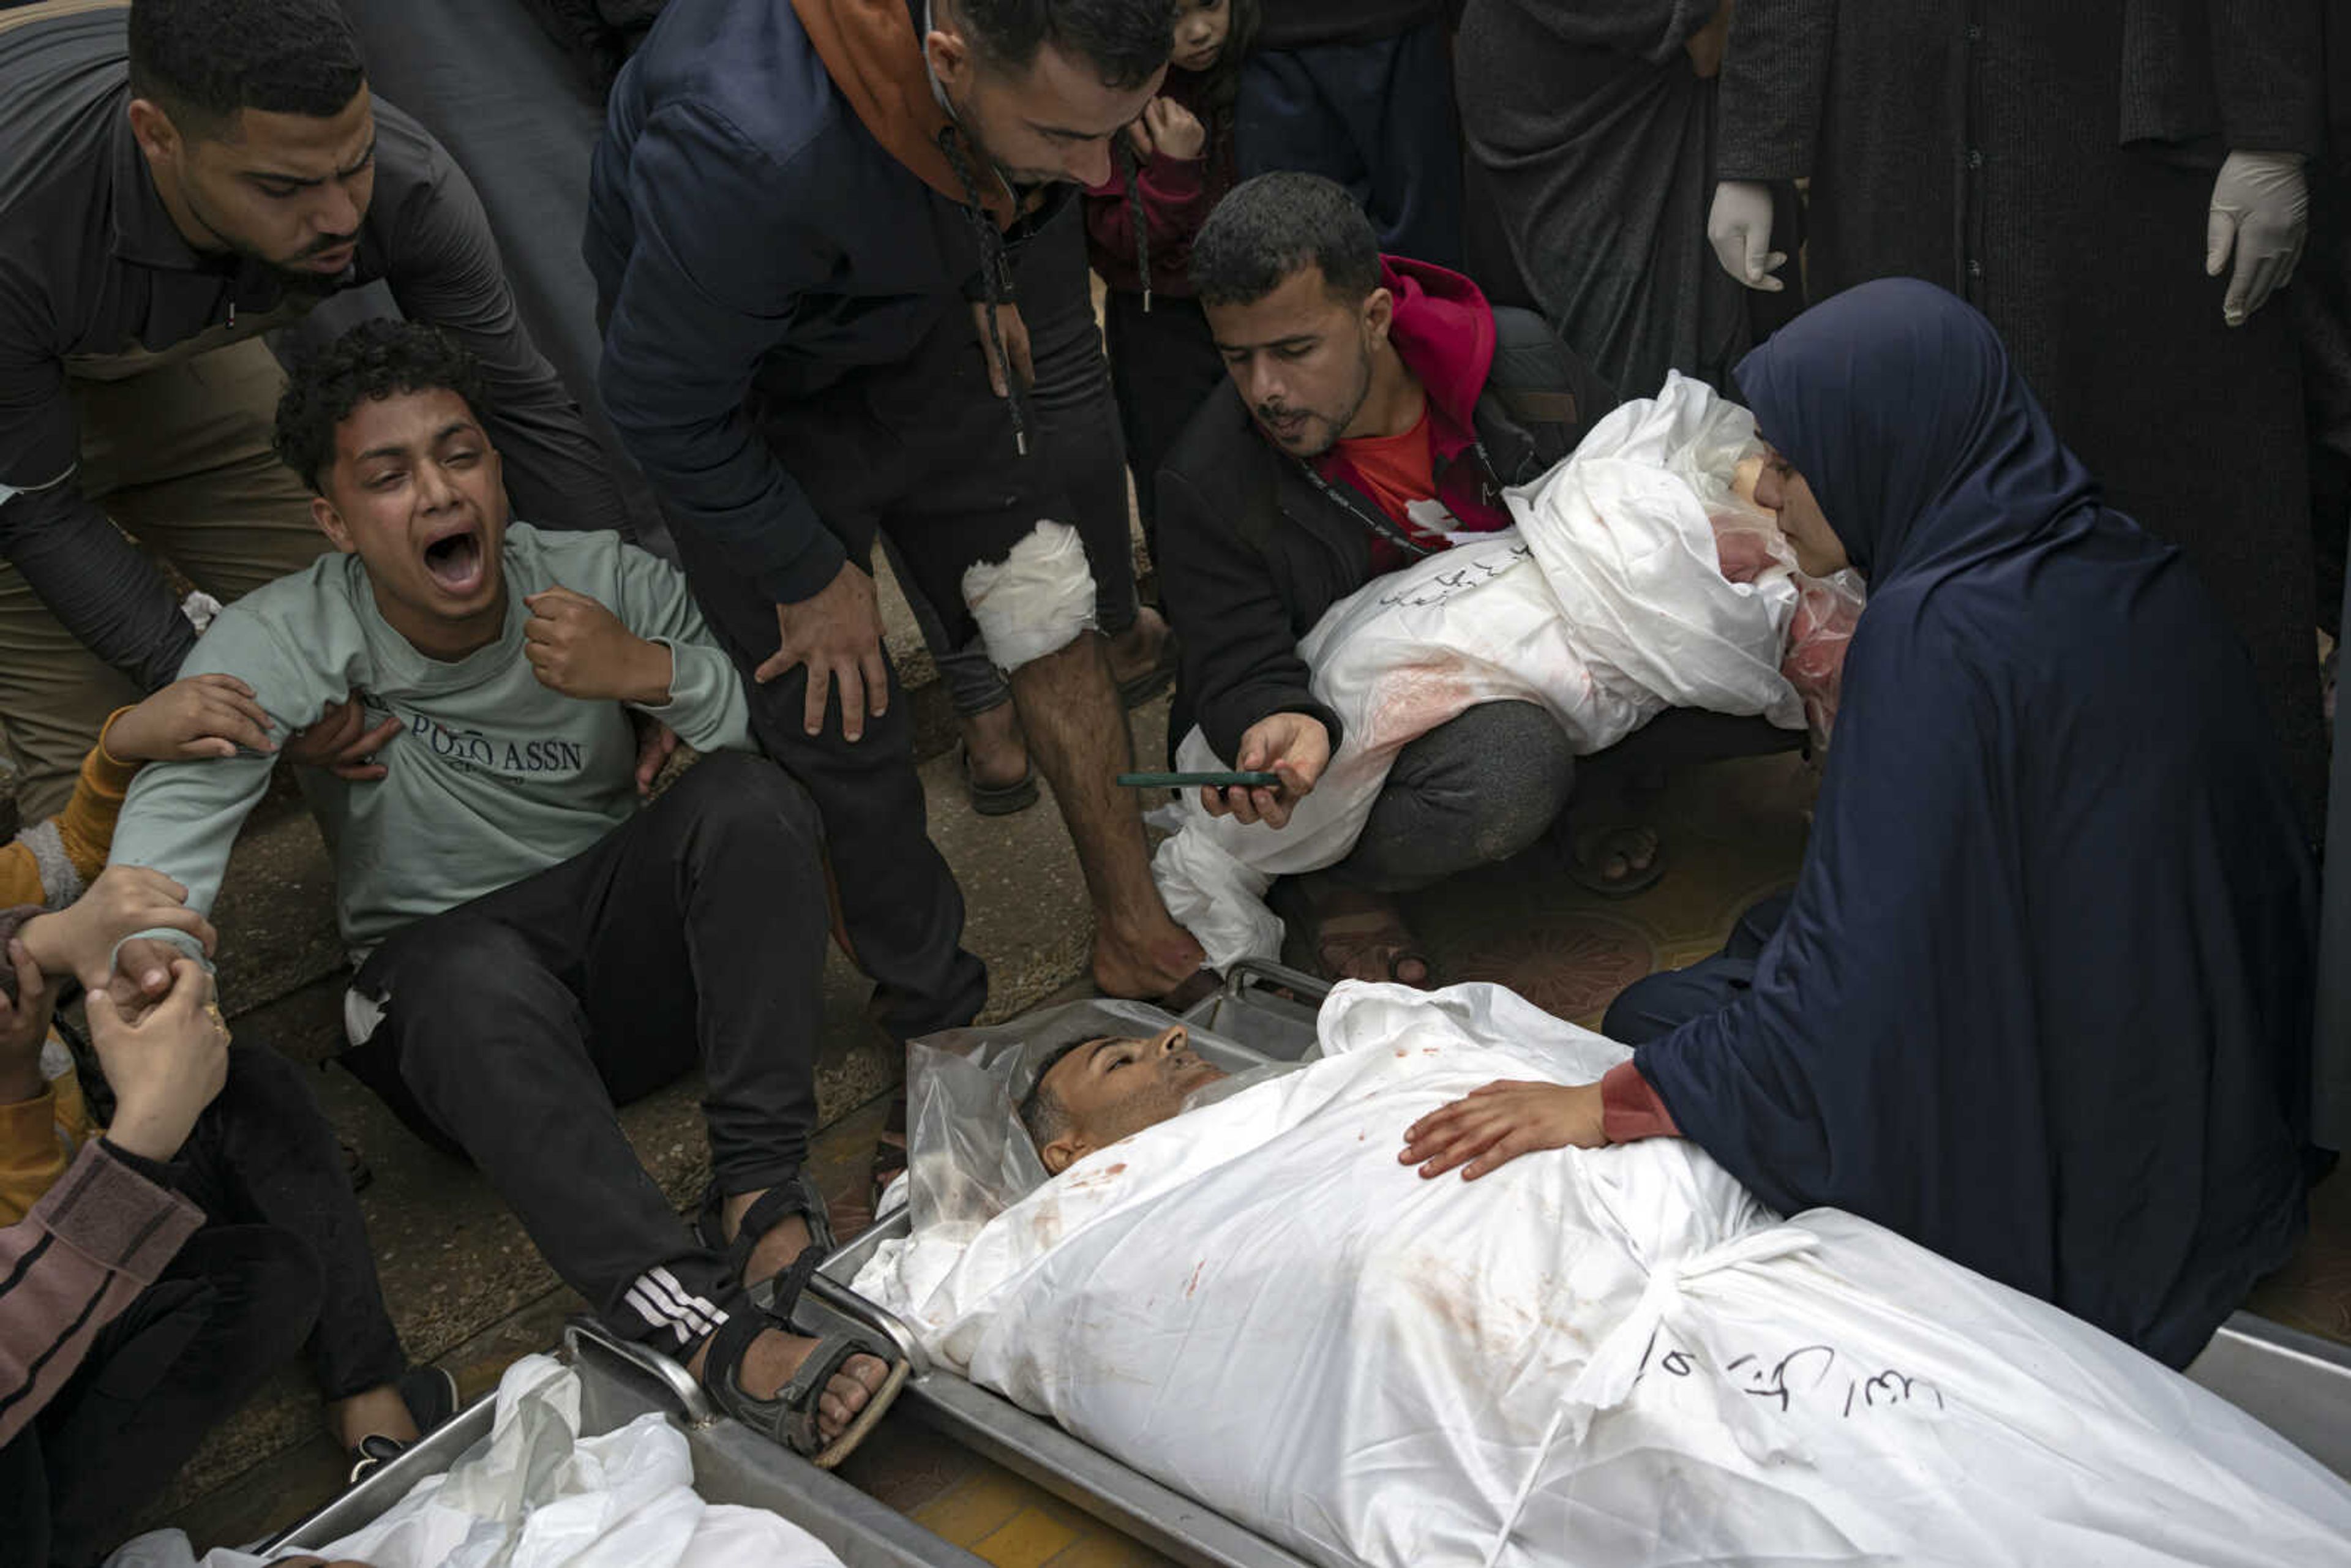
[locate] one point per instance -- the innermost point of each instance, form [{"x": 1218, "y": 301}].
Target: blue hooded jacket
[
  {"x": 2042, "y": 999},
  {"x": 771, "y": 208}
]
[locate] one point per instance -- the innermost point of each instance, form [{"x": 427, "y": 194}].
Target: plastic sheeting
[
  {"x": 1613, "y": 1356},
  {"x": 536, "y": 1494},
  {"x": 1607, "y": 604},
  {"x": 967, "y": 1157}
]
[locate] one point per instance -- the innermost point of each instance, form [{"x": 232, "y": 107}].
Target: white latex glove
[
  {"x": 2261, "y": 208},
  {"x": 1739, "y": 229}
]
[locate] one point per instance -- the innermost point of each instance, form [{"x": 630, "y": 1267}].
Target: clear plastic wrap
[{"x": 968, "y": 1158}]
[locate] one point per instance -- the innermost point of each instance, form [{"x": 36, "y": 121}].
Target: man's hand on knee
[
  {"x": 838, "y": 635},
  {"x": 1293, "y": 745}
]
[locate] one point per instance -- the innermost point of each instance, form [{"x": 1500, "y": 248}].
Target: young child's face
[{"x": 1201, "y": 28}]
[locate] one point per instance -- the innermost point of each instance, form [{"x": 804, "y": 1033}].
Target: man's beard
[
  {"x": 289, "y": 274},
  {"x": 1338, "y": 425}
]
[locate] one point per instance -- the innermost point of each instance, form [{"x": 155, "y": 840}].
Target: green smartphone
[{"x": 1185, "y": 780}]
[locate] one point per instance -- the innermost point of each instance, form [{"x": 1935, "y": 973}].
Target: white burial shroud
[
  {"x": 1607, "y": 604},
  {"x": 1614, "y": 1356}
]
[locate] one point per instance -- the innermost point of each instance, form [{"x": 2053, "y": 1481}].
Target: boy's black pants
[{"x": 509, "y": 1028}]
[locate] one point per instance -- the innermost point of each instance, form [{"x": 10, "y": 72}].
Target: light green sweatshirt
[{"x": 493, "y": 777}]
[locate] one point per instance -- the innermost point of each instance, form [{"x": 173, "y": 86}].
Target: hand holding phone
[{"x": 1295, "y": 748}]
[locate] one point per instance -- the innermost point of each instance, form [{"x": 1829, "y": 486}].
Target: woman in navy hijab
[{"x": 2041, "y": 998}]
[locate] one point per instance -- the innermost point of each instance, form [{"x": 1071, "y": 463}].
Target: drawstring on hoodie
[
  {"x": 995, "y": 277},
  {"x": 1137, "y": 218}
]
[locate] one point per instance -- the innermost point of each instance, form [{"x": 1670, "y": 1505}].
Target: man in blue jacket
[{"x": 800, "y": 222}]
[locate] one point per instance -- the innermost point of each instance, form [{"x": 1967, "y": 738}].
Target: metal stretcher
[
  {"x": 2298, "y": 1385},
  {"x": 1263, "y": 1014},
  {"x": 617, "y": 1383}
]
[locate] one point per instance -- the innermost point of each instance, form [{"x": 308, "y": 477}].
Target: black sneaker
[{"x": 431, "y": 1394}]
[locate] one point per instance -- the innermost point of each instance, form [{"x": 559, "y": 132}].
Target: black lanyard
[{"x": 1378, "y": 521}]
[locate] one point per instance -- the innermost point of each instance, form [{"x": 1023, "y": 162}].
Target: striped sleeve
[{"x": 98, "y": 1239}]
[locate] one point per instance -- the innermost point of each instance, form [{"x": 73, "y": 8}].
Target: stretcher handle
[
  {"x": 839, "y": 1297},
  {"x": 1248, "y": 974},
  {"x": 693, "y": 1405}
]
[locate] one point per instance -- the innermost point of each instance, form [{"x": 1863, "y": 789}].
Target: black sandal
[
  {"x": 795, "y": 1196},
  {"x": 791, "y": 1418}
]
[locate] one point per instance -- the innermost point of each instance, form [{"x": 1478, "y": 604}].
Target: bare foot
[
  {"x": 380, "y": 1412},
  {"x": 1362, "y": 936},
  {"x": 998, "y": 752},
  {"x": 1149, "y": 964},
  {"x": 1138, "y": 648},
  {"x": 1616, "y": 855},
  {"x": 769, "y": 1362},
  {"x": 774, "y": 1252}
]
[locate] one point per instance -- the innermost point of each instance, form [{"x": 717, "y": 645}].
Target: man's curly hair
[
  {"x": 376, "y": 358},
  {"x": 207, "y": 61}
]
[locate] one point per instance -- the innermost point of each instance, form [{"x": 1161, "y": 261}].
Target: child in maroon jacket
[{"x": 1175, "y": 165}]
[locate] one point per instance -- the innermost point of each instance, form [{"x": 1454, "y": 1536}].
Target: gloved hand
[
  {"x": 1739, "y": 229},
  {"x": 2260, "y": 206}
]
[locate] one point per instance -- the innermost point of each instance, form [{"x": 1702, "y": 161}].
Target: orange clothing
[
  {"x": 40, "y": 1137},
  {"x": 85, "y": 828}
]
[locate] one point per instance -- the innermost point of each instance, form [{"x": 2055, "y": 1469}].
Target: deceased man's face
[{"x": 1111, "y": 1088}]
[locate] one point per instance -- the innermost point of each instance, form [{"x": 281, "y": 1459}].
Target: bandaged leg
[
  {"x": 1036, "y": 601},
  {"x": 1035, "y": 612}
]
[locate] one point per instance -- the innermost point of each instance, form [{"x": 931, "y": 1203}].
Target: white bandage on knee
[{"x": 1037, "y": 602}]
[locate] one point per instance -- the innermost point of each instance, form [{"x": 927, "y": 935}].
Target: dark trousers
[
  {"x": 1658, "y": 1004},
  {"x": 1075, "y": 435},
  {"x": 511, "y": 1026},
  {"x": 1163, "y": 364},
  {"x": 232, "y": 1307},
  {"x": 1475, "y": 791},
  {"x": 1376, "y": 117},
  {"x": 1489, "y": 783},
  {"x": 263, "y": 1154}
]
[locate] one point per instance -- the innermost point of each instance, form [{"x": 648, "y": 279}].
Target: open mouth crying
[{"x": 455, "y": 561}]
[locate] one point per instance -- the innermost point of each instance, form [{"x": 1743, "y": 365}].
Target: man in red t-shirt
[{"x": 1376, "y": 409}]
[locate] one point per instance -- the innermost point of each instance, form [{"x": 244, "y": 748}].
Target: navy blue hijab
[{"x": 2041, "y": 998}]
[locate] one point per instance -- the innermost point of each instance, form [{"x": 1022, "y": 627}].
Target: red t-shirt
[{"x": 1394, "y": 471}]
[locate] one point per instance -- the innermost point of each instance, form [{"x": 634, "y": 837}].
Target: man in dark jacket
[
  {"x": 1362, "y": 91},
  {"x": 177, "y": 177},
  {"x": 799, "y": 213},
  {"x": 1375, "y": 407}
]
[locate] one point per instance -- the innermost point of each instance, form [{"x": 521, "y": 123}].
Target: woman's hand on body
[
  {"x": 1490, "y": 1127},
  {"x": 1293, "y": 745}
]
